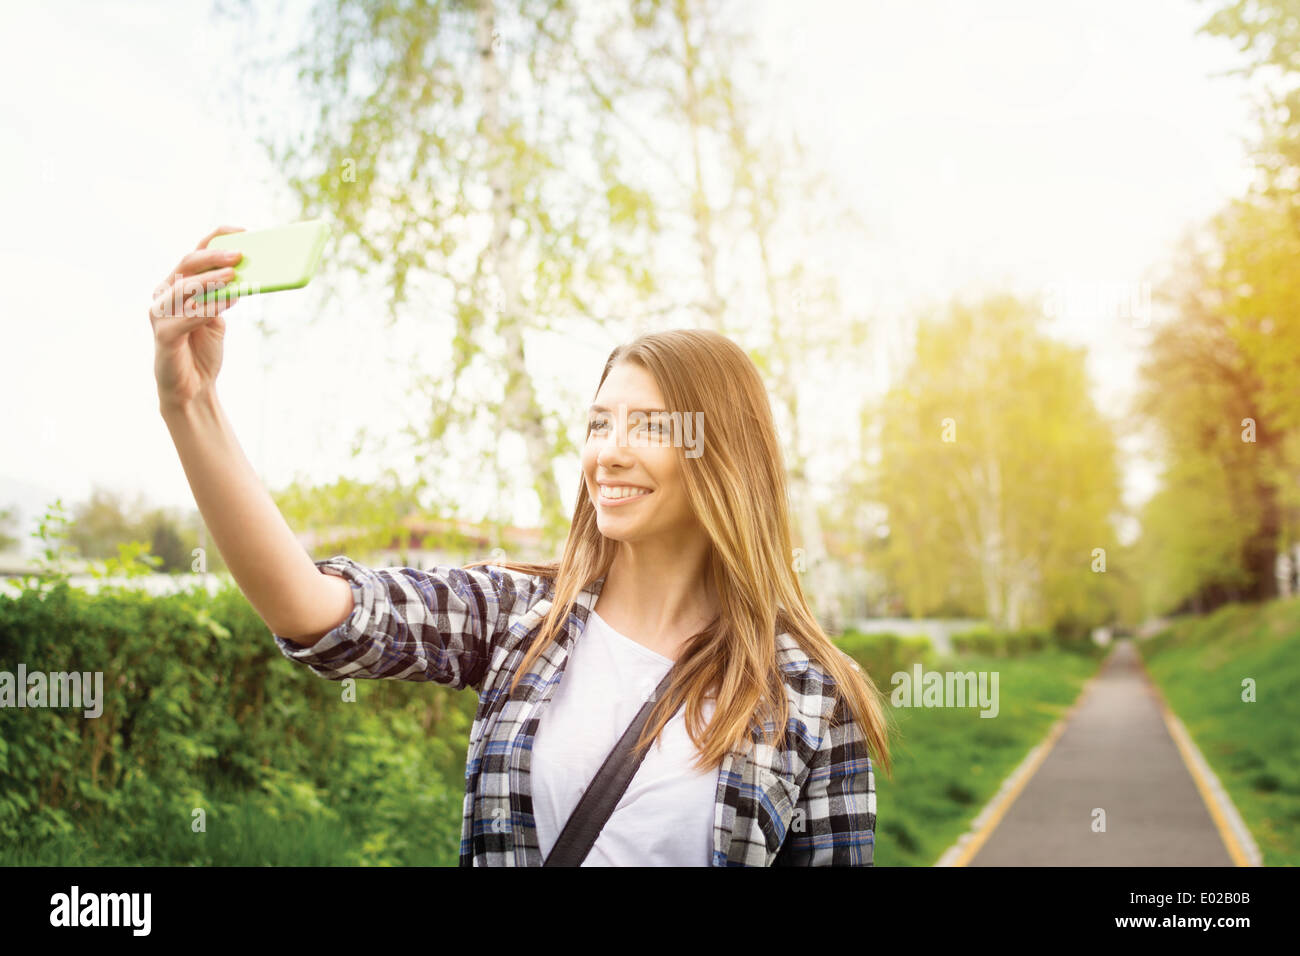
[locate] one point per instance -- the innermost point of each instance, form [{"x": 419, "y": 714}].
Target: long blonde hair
[{"x": 737, "y": 490}]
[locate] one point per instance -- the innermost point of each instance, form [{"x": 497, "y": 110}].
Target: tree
[
  {"x": 1268, "y": 32},
  {"x": 1219, "y": 392},
  {"x": 8, "y": 525},
  {"x": 547, "y": 164},
  {"x": 165, "y": 541},
  {"x": 107, "y": 520},
  {"x": 1220, "y": 377},
  {"x": 745, "y": 195},
  {"x": 452, "y": 143},
  {"x": 104, "y": 521},
  {"x": 998, "y": 474},
  {"x": 347, "y": 515}
]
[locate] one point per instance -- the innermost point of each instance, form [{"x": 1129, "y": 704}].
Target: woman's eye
[{"x": 657, "y": 427}]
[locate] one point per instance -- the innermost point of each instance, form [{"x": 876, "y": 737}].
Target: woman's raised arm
[
  {"x": 337, "y": 617},
  {"x": 443, "y": 625},
  {"x": 272, "y": 569}
]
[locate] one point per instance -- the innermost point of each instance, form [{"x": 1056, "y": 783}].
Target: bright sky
[{"x": 1034, "y": 145}]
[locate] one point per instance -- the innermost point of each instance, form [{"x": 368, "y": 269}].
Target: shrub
[{"x": 198, "y": 701}]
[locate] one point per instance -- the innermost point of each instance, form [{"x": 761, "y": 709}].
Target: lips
[{"x": 639, "y": 493}]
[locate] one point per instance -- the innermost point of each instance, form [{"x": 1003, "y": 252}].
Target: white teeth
[{"x": 623, "y": 492}]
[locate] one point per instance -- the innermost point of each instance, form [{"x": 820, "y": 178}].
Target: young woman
[{"x": 679, "y": 554}]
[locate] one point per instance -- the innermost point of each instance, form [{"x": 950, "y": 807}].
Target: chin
[
  {"x": 612, "y": 536},
  {"x": 613, "y": 528}
]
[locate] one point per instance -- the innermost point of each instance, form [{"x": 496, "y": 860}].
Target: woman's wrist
[{"x": 203, "y": 407}]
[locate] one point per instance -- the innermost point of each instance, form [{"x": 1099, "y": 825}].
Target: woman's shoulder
[
  {"x": 790, "y": 655},
  {"x": 810, "y": 685},
  {"x": 514, "y": 591},
  {"x": 525, "y": 585},
  {"x": 806, "y": 681}
]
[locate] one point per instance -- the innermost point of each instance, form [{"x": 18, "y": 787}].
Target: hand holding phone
[
  {"x": 275, "y": 259},
  {"x": 186, "y": 313},
  {"x": 187, "y": 335}
]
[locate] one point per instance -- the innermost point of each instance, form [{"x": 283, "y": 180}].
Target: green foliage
[
  {"x": 8, "y": 523},
  {"x": 886, "y": 654},
  {"x": 103, "y": 521},
  {"x": 349, "y": 515},
  {"x": 1267, "y": 32},
  {"x": 991, "y": 643},
  {"x": 882, "y": 655},
  {"x": 200, "y": 710},
  {"x": 106, "y": 523},
  {"x": 1218, "y": 385},
  {"x": 949, "y": 761},
  {"x": 1229, "y": 503},
  {"x": 1201, "y": 665},
  {"x": 133, "y": 560},
  {"x": 52, "y": 559},
  {"x": 998, "y": 473}
]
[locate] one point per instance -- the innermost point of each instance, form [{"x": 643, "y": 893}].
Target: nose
[{"x": 613, "y": 447}]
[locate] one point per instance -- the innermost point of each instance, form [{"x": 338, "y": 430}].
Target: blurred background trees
[
  {"x": 108, "y": 519},
  {"x": 8, "y": 529},
  {"x": 1220, "y": 379},
  {"x": 998, "y": 475},
  {"x": 527, "y": 180}
]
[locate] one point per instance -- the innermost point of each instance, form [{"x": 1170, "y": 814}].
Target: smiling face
[{"x": 629, "y": 443}]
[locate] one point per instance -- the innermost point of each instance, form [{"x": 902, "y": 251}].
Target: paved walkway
[{"x": 1116, "y": 753}]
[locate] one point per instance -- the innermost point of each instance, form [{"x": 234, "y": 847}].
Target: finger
[
  {"x": 219, "y": 231},
  {"x": 183, "y": 291},
  {"x": 197, "y": 263},
  {"x": 180, "y": 291},
  {"x": 188, "y": 265},
  {"x": 201, "y": 260},
  {"x": 200, "y": 314}
]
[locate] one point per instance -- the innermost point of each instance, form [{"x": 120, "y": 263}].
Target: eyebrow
[{"x": 602, "y": 408}]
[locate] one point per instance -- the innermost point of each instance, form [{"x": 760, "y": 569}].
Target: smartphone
[{"x": 283, "y": 257}]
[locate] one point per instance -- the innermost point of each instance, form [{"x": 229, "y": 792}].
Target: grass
[
  {"x": 246, "y": 831},
  {"x": 1202, "y": 667},
  {"x": 949, "y": 762}
]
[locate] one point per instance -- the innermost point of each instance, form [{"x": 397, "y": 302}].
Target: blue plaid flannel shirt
[{"x": 811, "y": 803}]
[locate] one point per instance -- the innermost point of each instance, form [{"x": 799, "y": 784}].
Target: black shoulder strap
[{"x": 606, "y": 789}]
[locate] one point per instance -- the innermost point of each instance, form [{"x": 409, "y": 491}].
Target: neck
[{"x": 659, "y": 593}]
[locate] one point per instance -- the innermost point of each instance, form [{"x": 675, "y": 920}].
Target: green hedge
[
  {"x": 883, "y": 655},
  {"x": 985, "y": 640},
  {"x": 201, "y": 710}
]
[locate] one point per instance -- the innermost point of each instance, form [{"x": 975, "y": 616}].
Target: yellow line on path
[
  {"x": 970, "y": 844},
  {"x": 1236, "y": 837},
  {"x": 1211, "y": 792}
]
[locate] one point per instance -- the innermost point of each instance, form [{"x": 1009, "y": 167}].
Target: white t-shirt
[{"x": 665, "y": 817}]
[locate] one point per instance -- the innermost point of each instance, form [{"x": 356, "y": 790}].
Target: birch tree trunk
[
  {"x": 468, "y": 146},
  {"x": 520, "y": 407},
  {"x": 701, "y": 211}
]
